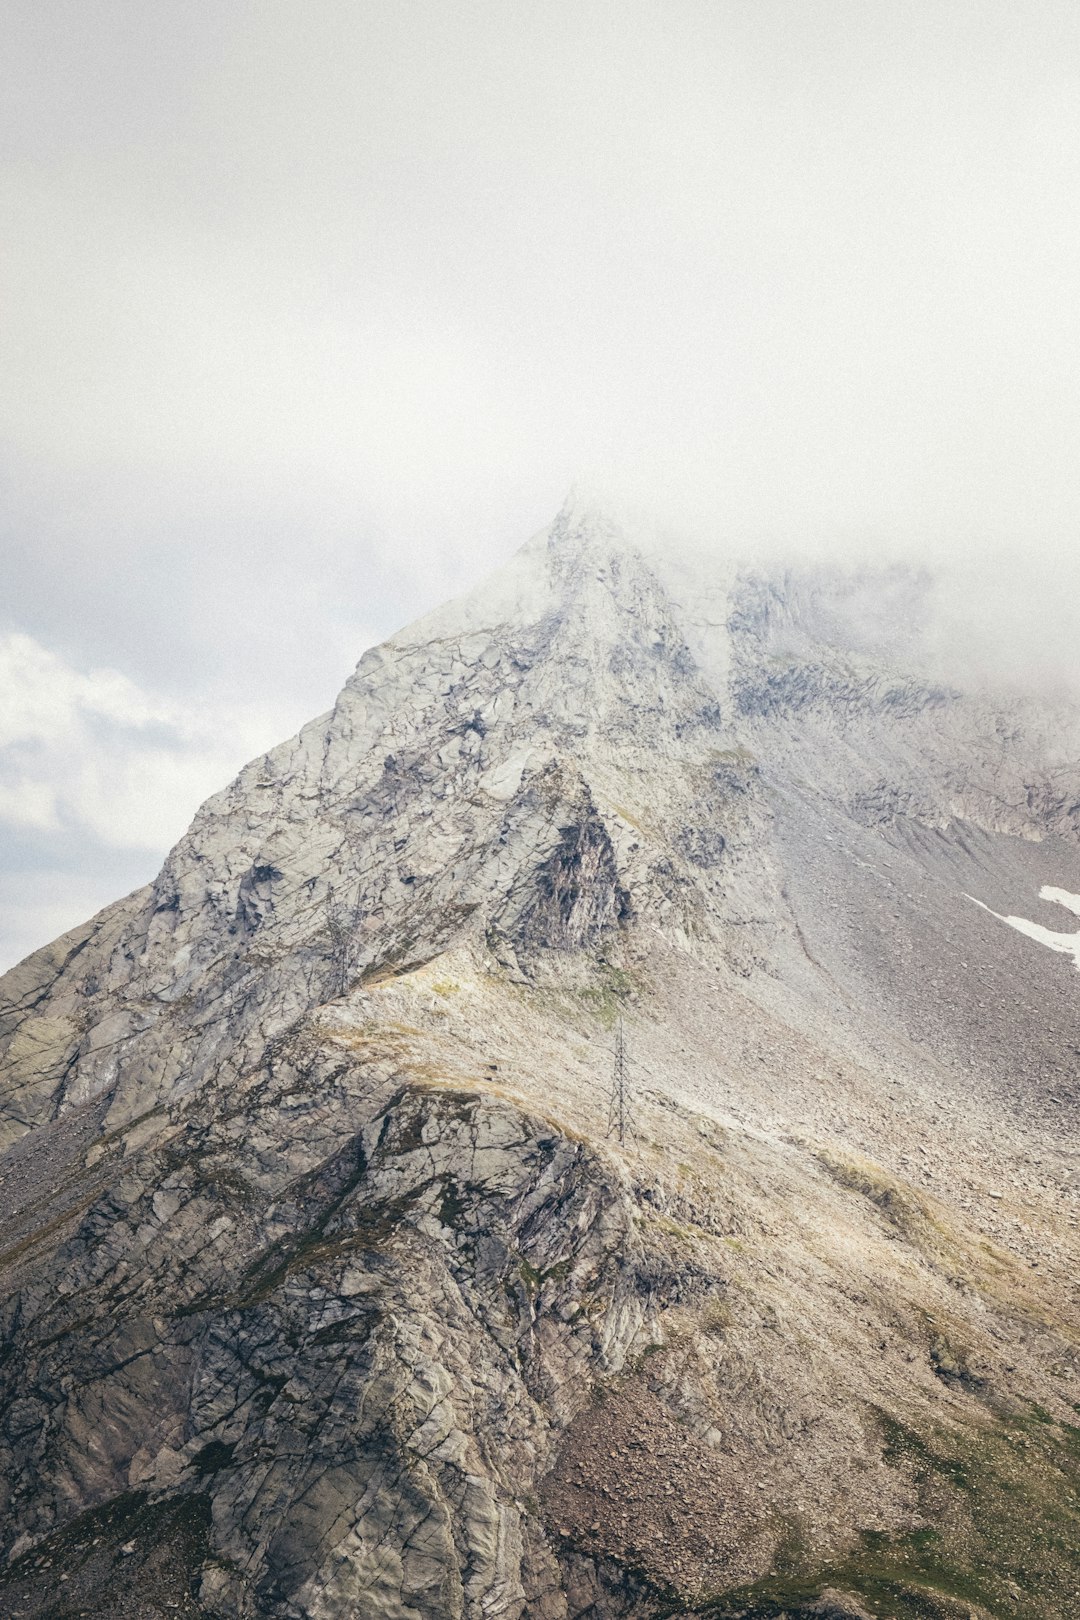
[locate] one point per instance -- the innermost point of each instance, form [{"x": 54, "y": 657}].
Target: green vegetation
[
  {"x": 534, "y": 1280},
  {"x": 900, "y": 1205},
  {"x": 716, "y": 1318},
  {"x": 612, "y": 986},
  {"x": 1000, "y": 1535},
  {"x": 733, "y": 756},
  {"x": 127, "y": 1555}
]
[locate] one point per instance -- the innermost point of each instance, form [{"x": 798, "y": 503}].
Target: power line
[
  {"x": 343, "y": 935},
  {"x": 619, "y": 1121}
]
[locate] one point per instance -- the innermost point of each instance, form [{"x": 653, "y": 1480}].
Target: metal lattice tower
[{"x": 618, "y": 1109}]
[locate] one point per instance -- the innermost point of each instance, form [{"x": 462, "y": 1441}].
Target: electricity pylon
[{"x": 618, "y": 1108}]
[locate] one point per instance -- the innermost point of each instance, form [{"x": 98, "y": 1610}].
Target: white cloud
[
  {"x": 44, "y": 700},
  {"x": 98, "y": 777},
  {"x": 91, "y": 752}
]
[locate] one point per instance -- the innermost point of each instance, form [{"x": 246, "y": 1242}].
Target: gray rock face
[{"x": 326, "y": 1293}]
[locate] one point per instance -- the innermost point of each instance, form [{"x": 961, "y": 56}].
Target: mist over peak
[{"x": 1000, "y": 617}]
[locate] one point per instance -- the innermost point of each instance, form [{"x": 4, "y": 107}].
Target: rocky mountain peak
[{"x": 329, "y": 1290}]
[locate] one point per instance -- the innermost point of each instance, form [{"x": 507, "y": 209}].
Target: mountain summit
[{"x": 329, "y": 1293}]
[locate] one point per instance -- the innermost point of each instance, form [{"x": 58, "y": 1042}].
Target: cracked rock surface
[{"x": 326, "y": 1291}]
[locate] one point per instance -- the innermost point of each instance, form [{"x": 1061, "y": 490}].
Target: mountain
[{"x": 328, "y": 1289}]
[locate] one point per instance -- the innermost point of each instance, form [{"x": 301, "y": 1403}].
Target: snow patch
[
  {"x": 1067, "y": 944},
  {"x": 1061, "y": 897}
]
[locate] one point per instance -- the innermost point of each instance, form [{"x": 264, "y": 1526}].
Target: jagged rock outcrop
[{"x": 326, "y": 1293}]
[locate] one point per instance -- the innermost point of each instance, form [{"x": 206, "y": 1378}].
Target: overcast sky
[{"x": 312, "y": 312}]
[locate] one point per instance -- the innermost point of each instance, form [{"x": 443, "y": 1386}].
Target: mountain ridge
[{"x": 324, "y": 1280}]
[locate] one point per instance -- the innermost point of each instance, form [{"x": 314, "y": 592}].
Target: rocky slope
[{"x": 326, "y": 1292}]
